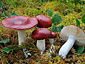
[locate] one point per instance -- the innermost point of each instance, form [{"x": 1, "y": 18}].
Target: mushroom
[
  {"x": 40, "y": 34},
  {"x": 43, "y": 21},
  {"x": 72, "y": 34},
  {"x": 20, "y": 23},
  {"x": 51, "y": 39}
]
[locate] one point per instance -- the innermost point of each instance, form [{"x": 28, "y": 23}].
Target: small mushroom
[
  {"x": 51, "y": 39},
  {"x": 20, "y": 23},
  {"x": 43, "y": 21},
  {"x": 72, "y": 34},
  {"x": 40, "y": 34}
]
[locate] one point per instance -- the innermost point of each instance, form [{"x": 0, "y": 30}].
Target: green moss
[
  {"x": 31, "y": 12},
  {"x": 1, "y": 28},
  {"x": 68, "y": 12},
  {"x": 70, "y": 18}
]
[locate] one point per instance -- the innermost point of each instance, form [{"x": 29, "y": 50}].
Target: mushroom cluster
[
  {"x": 72, "y": 34},
  {"x": 45, "y": 22},
  {"x": 21, "y": 23},
  {"x": 42, "y": 33}
]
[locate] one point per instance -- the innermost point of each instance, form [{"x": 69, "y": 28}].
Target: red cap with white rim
[
  {"x": 20, "y": 23},
  {"x": 41, "y": 33}
]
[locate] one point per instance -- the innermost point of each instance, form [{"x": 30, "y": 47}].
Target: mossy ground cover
[{"x": 69, "y": 12}]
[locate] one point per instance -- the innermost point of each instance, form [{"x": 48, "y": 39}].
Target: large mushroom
[
  {"x": 40, "y": 34},
  {"x": 43, "y": 21},
  {"x": 20, "y": 23},
  {"x": 72, "y": 34}
]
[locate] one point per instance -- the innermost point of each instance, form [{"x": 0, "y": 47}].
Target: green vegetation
[{"x": 62, "y": 13}]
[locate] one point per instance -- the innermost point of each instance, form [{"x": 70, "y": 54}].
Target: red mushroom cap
[
  {"x": 41, "y": 33},
  {"x": 19, "y": 22},
  {"x": 43, "y": 21},
  {"x": 53, "y": 35}
]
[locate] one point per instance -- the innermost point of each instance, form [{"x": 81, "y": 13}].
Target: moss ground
[{"x": 68, "y": 12}]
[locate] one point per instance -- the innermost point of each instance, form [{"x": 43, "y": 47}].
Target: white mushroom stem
[
  {"x": 41, "y": 45},
  {"x": 67, "y": 46},
  {"x": 21, "y": 36},
  {"x": 51, "y": 40}
]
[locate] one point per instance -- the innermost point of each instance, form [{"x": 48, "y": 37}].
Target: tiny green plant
[
  {"x": 77, "y": 23},
  {"x": 83, "y": 19},
  {"x": 49, "y": 12},
  {"x": 11, "y": 15},
  {"x": 11, "y": 48},
  {"x": 5, "y": 15},
  {"x": 57, "y": 29},
  {"x": 54, "y": 28},
  {"x": 4, "y": 40},
  {"x": 0, "y": 15},
  {"x": 80, "y": 50},
  {"x": 56, "y": 19},
  {"x": 17, "y": 47},
  {"x": 1, "y": 5},
  {"x": 7, "y": 50}
]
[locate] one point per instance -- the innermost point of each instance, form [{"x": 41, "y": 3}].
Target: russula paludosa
[
  {"x": 51, "y": 39},
  {"x": 43, "y": 21},
  {"x": 20, "y": 23},
  {"x": 72, "y": 34},
  {"x": 40, "y": 34}
]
